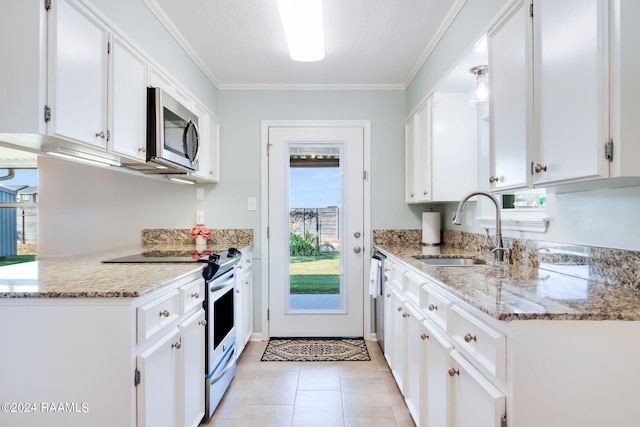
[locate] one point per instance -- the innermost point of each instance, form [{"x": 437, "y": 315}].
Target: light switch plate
[{"x": 251, "y": 203}]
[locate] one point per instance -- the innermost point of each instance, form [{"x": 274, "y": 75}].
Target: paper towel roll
[{"x": 431, "y": 228}]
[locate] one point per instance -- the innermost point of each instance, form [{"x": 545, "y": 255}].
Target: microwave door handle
[{"x": 185, "y": 141}]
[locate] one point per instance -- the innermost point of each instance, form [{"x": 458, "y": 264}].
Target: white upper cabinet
[
  {"x": 562, "y": 88},
  {"x": 78, "y": 67},
  {"x": 441, "y": 144},
  {"x": 418, "y": 155},
  {"x": 128, "y": 108},
  {"x": 571, "y": 104},
  {"x": 209, "y": 154},
  {"x": 510, "y": 100}
]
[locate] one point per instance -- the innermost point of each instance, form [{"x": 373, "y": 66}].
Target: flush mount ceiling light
[
  {"x": 303, "y": 28},
  {"x": 482, "y": 81},
  {"x": 78, "y": 156}
]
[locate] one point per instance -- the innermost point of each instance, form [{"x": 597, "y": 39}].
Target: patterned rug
[{"x": 315, "y": 350}]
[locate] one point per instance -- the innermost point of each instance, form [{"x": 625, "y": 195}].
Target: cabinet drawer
[
  {"x": 411, "y": 286},
  {"x": 192, "y": 295},
  {"x": 394, "y": 272},
  {"x": 155, "y": 315},
  {"x": 435, "y": 305},
  {"x": 485, "y": 346},
  {"x": 245, "y": 263}
]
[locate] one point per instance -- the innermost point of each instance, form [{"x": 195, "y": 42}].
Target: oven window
[
  {"x": 174, "y": 128},
  {"x": 222, "y": 317}
]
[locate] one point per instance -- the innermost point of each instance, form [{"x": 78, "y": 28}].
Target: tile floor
[{"x": 308, "y": 394}]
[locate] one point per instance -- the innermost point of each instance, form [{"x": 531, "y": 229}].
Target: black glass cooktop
[{"x": 163, "y": 256}]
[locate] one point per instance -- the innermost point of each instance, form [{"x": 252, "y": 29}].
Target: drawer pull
[
  {"x": 453, "y": 372},
  {"x": 400, "y": 308},
  {"x": 432, "y": 307},
  {"x": 164, "y": 313},
  {"x": 195, "y": 295},
  {"x": 405, "y": 315},
  {"x": 176, "y": 345},
  {"x": 424, "y": 336},
  {"x": 203, "y": 322},
  {"x": 469, "y": 338}
]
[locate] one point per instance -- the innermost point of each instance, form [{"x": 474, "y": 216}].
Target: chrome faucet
[{"x": 499, "y": 251}]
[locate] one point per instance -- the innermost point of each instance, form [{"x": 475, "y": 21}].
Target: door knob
[{"x": 357, "y": 249}]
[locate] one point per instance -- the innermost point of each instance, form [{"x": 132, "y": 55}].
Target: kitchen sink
[{"x": 452, "y": 262}]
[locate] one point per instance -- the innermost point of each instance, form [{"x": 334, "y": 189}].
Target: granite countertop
[
  {"x": 516, "y": 292},
  {"x": 85, "y": 276}
]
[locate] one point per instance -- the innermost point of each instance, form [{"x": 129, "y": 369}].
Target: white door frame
[{"x": 264, "y": 209}]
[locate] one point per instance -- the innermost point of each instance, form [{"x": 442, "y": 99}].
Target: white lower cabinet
[
  {"x": 434, "y": 372},
  {"x": 474, "y": 400},
  {"x": 243, "y": 302},
  {"x": 158, "y": 389},
  {"x": 192, "y": 364}
]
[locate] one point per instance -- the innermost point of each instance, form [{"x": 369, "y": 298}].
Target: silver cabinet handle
[
  {"x": 453, "y": 372},
  {"x": 424, "y": 336},
  {"x": 357, "y": 234},
  {"x": 469, "y": 338},
  {"x": 164, "y": 313},
  {"x": 493, "y": 179},
  {"x": 425, "y": 192},
  {"x": 432, "y": 307},
  {"x": 388, "y": 295},
  {"x": 195, "y": 295},
  {"x": 100, "y": 134},
  {"x": 400, "y": 308},
  {"x": 203, "y": 322},
  {"x": 539, "y": 168},
  {"x": 405, "y": 315},
  {"x": 357, "y": 249},
  {"x": 142, "y": 149},
  {"x": 412, "y": 195},
  {"x": 176, "y": 345}
]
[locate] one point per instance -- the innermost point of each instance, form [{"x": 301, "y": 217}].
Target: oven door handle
[
  {"x": 228, "y": 282},
  {"x": 230, "y": 360}
]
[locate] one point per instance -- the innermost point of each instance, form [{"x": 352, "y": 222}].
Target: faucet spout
[{"x": 457, "y": 220}]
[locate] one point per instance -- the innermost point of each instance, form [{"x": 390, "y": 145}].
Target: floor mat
[{"x": 315, "y": 350}]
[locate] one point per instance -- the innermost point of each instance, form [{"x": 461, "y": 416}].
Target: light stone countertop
[
  {"x": 516, "y": 292},
  {"x": 85, "y": 276}
]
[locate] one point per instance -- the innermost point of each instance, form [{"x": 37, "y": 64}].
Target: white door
[{"x": 315, "y": 211}]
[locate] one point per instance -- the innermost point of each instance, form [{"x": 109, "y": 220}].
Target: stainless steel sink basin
[{"x": 452, "y": 262}]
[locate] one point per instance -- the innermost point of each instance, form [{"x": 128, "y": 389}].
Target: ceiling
[{"x": 369, "y": 43}]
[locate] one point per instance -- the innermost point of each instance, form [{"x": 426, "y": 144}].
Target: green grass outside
[
  {"x": 315, "y": 274},
  {"x": 16, "y": 259}
]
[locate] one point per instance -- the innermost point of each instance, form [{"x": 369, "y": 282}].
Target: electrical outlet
[{"x": 200, "y": 217}]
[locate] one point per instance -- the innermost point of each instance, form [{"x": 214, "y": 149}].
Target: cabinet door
[
  {"x": 128, "y": 107},
  {"x": 399, "y": 339},
  {"x": 509, "y": 68},
  {"x": 389, "y": 318},
  {"x": 78, "y": 65},
  {"x": 409, "y": 155},
  {"x": 247, "y": 309},
  {"x": 435, "y": 397},
  {"x": 192, "y": 332},
  {"x": 571, "y": 80},
  {"x": 157, "y": 393},
  {"x": 474, "y": 400},
  {"x": 213, "y": 172},
  {"x": 413, "y": 370}
]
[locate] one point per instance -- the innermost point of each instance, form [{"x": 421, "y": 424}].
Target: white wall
[{"x": 83, "y": 209}]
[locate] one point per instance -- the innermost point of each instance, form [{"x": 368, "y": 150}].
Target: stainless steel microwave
[{"x": 172, "y": 133}]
